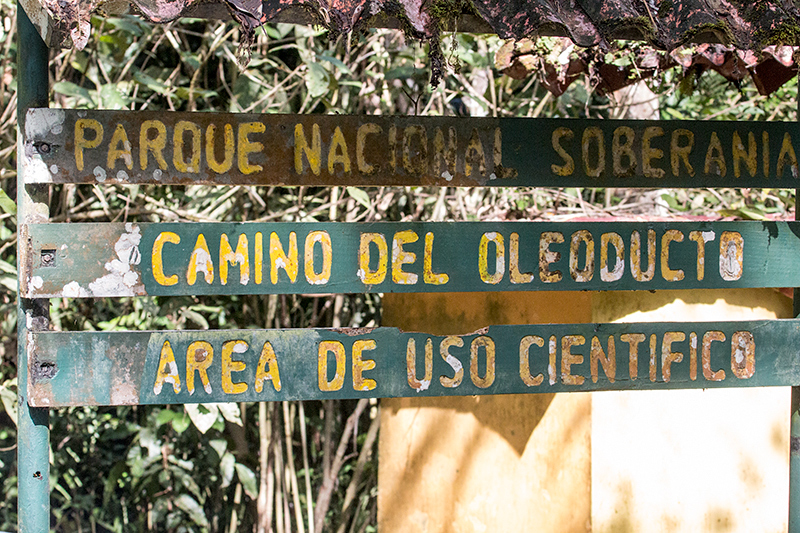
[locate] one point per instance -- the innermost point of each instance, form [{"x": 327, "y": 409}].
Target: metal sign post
[{"x": 33, "y": 431}]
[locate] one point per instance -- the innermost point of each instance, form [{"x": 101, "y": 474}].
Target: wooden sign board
[
  {"x": 85, "y": 260},
  {"x": 71, "y": 146},
  {"x": 176, "y": 367}
]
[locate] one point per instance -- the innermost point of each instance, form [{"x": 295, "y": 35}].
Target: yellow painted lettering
[
  {"x": 667, "y": 355},
  {"x": 155, "y": 145},
  {"x": 636, "y": 256},
  {"x": 118, "y": 148},
  {"x": 593, "y": 134},
  {"x": 649, "y": 153},
  {"x": 247, "y": 147},
  {"x": 313, "y": 153},
  {"x": 499, "y": 258},
  {"x": 229, "y": 149},
  {"x": 178, "y": 157},
  {"x": 524, "y": 360},
  {"x": 167, "y": 371},
  {"x": 157, "y": 258},
  {"x": 680, "y": 152},
  {"x": 581, "y": 275},
  {"x": 743, "y": 355},
  {"x": 568, "y": 359},
  {"x": 322, "y": 238},
  {"x": 401, "y": 257},
  {"x": 361, "y": 365},
  {"x": 200, "y": 261},
  {"x": 428, "y": 275},
  {"x": 267, "y": 369},
  {"x": 515, "y": 275},
  {"x": 749, "y": 156},
  {"x": 199, "y": 356},
  {"x": 241, "y": 257},
  {"x": 548, "y": 256},
  {"x": 337, "y": 349},
  {"x": 278, "y": 258},
  {"x": 666, "y": 272},
  {"x": 485, "y": 342},
  {"x": 615, "y": 240},
  {"x": 337, "y": 153},
  {"x": 81, "y": 142},
  {"x": 365, "y": 274},
  {"x": 231, "y": 365},
  {"x": 568, "y": 167},
  {"x": 633, "y": 340},
  {"x": 708, "y": 338},
  {"x": 621, "y": 151},
  {"x": 715, "y": 155},
  {"x": 411, "y": 365},
  {"x": 455, "y": 364}
]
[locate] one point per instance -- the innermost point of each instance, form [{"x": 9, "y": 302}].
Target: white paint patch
[
  {"x": 203, "y": 261},
  {"x": 279, "y": 262},
  {"x": 122, "y": 175},
  {"x": 53, "y": 169},
  {"x": 361, "y": 275},
  {"x": 36, "y": 282},
  {"x": 739, "y": 354},
  {"x": 121, "y": 278},
  {"x": 423, "y": 385},
  {"x": 447, "y": 176},
  {"x": 693, "y": 342},
  {"x": 73, "y": 290},
  {"x": 454, "y": 363},
  {"x": 492, "y": 176},
  {"x": 99, "y": 174},
  {"x": 240, "y": 347},
  {"x": 44, "y": 121},
  {"x": 57, "y": 129},
  {"x": 157, "y": 174},
  {"x": 708, "y": 236}
]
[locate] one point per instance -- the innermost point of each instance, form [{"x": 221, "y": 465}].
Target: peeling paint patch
[
  {"x": 121, "y": 278},
  {"x": 74, "y": 290}
]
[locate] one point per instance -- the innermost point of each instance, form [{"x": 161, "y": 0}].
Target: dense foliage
[{"x": 288, "y": 466}]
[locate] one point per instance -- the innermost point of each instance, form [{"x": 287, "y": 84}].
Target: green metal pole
[
  {"x": 794, "y": 434},
  {"x": 33, "y": 430}
]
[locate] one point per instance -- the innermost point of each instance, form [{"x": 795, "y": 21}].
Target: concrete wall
[
  {"x": 692, "y": 460},
  {"x": 645, "y": 461},
  {"x": 491, "y": 463}
]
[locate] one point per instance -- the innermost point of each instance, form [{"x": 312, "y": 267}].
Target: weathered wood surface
[
  {"x": 94, "y": 368},
  {"x": 70, "y": 146},
  {"x": 85, "y": 260}
]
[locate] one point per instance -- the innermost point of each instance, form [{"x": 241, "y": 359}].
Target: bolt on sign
[
  {"x": 214, "y": 148},
  {"x": 258, "y": 365},
  {"x": 83, "y": 260}
]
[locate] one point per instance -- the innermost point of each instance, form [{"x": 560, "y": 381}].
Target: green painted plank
[
  {"x": 311, "y": 364},
  {"x": 252, "y": 258},
  {"x": 71, "y": 146}
]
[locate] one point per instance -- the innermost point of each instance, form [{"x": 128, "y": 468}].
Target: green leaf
[
  {"x": 230, "y": 411},
  {"x": 7, "y": 204},
  {"x": 219, "y": 445},
  {"x": 203, "y": 415},
  {"x": 359, "y": 195},
  {"x": 338, "y": 63},
  {"x": 9, "y": 398},
  {"x": 189, "y": 505},
  {"x": 248, "y": 480},
  {"x": 180, "y": 423},
  {"x": 226, "y": 466},
  {"x": 317, "y": 80},
  {"x": 67, "y": 88}
]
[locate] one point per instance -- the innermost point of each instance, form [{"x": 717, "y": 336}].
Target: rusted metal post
[{"x": 33, "y": 431}]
